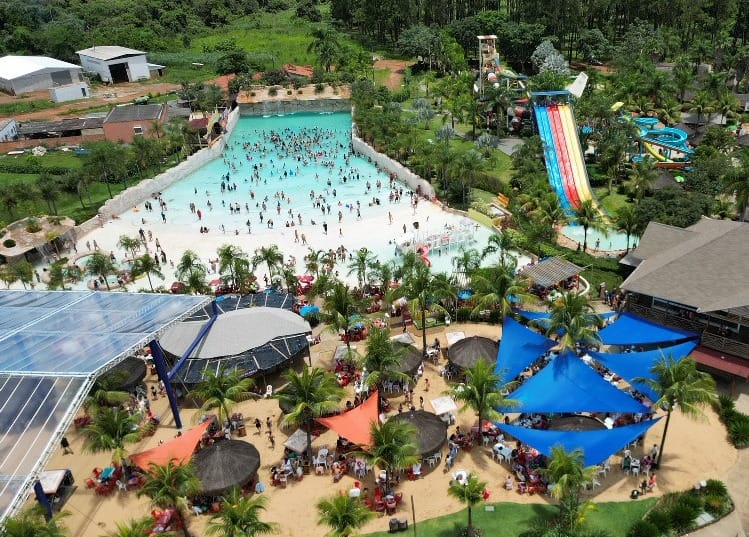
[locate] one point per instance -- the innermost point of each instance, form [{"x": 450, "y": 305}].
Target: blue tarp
[
  {"x": 630, "y": 329},
  {"x": 630, "y": 365},
  {"x": 567, "y": 384},
  {"x": 597, "y": 445},
  {"x": 518, "y": 349},
  {"x": 305, "y": 310}
]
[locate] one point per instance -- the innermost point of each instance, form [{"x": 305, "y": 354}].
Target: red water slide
[{"x": 565, "y": 166}]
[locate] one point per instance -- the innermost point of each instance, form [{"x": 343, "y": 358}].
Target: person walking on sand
[
  {"x": 269, "y": 423},
  {"x": 258, "y": 425},
  {"x": 272, "y": 440},
  {"x": 65, "y": 446}
]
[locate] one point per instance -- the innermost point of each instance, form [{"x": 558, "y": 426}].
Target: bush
[
  {"x": 715, "y": 487},
  {"x": 643, "y": 528},
  {"x": 683, "y": 515},
  {"x": 9, "y": 243},
  {"x": 289, "y": 92},
  {"x": 738, "y": 430},
  {"x": 660, "y": 519},
  {"x": 319, "y": 87},
  {"x": 32, "y": 225},
  {"x": 495, "y": 316},
  {"x": 313, "y": 319},
  {"x": 716, "y": 505},
  {"x": 463, "y": 315},
  {"x": 273, "y": 91},
  {"x": 725, "y": 403}
]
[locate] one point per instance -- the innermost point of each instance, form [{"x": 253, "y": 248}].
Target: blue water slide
[{"x": 550, "y": 155}]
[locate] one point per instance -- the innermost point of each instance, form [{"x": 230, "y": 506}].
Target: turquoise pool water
[{"x": 299, "y": 168}]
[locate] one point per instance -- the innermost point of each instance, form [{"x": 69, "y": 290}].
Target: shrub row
[
  {"x": 737, "y": 423},
  {"x": 676, "y": 513},
  {"x": 30, "y": 168}
]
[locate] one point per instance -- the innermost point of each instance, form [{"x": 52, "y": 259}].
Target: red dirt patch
[{"x": 397, "y": 71}]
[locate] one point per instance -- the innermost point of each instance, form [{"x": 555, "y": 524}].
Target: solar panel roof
[{"x": 53, "y": 344}]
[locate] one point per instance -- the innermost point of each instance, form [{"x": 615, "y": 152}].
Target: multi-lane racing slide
[{"x": 562, "y": 150}]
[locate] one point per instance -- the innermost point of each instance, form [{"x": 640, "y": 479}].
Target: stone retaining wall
[
  {"x": 389, "y": 165},
  {"x": 274, "y": 108}
]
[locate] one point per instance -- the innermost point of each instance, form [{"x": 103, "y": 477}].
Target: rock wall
[
  {"x": 389, "y": 165},
  {"x": 274, "y": 108}
]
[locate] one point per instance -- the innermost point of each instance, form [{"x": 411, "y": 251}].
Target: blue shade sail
[
  {"x": 519, "y": 348},
  {"x": 630, "y": 329}
]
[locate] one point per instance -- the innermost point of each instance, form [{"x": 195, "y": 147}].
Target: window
[{"x": 138, "y": 130}]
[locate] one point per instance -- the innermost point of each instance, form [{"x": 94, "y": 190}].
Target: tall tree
[
  {"x": 32, "y": 523},
  {"x": 146, "y": 264},
  {"x": 573, "y": 317},
  {"x": 482, "y": 392},
  {"x": 343, "y": 515},
  {"x": 191, "y": 270},
  {"x": 110, "y": 430},
  {"x": 643, "y": 175},
  {"x": 736, "y": 184},
  {"x": 470, "y": 493},
  {"x": 325, "y": 46},
  {"x": 240, "y": 517},
  {"x": 139, "y": 527},
  {"x": 360, "y": 265},
  {"x": 310, "y": 394},
  {"x": 394, "y": 447},
  {"x": 222, "y": 389},
  {"x": 500, "y": 287},
  {"x": 234, "y": 263},
  {"x": 569, "y": 475},
  {"x": 99, "y": 265},
  {"x": 170, "y": 486},
  {"x": 382, "y": 359},
  {"x": 626, "y": 221},
  {"x": 271, "y": 256},
  {"x": 339, "y": 308},
  {"x": 130, "y": 244},
  {"x": 587, "y": 216},
  {"x": 678, "y": 384}
]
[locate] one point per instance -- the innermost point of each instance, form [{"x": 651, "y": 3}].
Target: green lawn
[
  {"x": 66, "y": 159},
  {"x": 611, "y": 202},
  {"x": 510, "y": 519},
  {"x": 23, "y": 105}
]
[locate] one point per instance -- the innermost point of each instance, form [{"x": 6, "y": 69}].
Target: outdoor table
[
  {"x": 461, "y": 476},
  {"x": 106, "y": 473}
]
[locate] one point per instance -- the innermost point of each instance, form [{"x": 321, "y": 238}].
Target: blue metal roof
[{"x": 53, "y": 344}]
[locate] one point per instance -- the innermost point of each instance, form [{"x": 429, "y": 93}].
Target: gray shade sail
[
  {"x": 226, "y": 464},
  {"x": 53, "y": 344},
  {"x": 432, "y": 431},
  {"x": 467, "y": 352},
  {"x": 551, "y": 271}
]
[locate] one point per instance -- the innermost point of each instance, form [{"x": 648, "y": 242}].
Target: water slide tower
[{"x": 488, "y": 62}]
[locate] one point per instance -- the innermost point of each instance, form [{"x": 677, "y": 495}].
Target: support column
[{"x": 159, "y": 361}]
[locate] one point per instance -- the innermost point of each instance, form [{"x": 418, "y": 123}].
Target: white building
[
  {"x": 23, "y": 74},
  {"x": 8, "y": 130},
  {"x": 115, "y": 64}
]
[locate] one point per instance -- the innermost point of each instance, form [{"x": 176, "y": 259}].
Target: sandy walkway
[{"x": 694, "y": 451}]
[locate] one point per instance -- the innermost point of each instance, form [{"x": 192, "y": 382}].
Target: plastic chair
[
  {"x": 90, "y": 483},
  {"x": 122, "y": 486},
  {"x": 97, "y": 472}
]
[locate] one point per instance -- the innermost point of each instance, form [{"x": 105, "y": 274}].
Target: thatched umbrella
[
  {"x": 466, "y": 352},
  {"x": 127, "y": 374},
  {"x": 412, "y": 358},
  {"x": 432, "y": 430},
  {"x": 226, "y": 464}
]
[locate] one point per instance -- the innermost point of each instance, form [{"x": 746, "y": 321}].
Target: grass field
[
  {"x": 66, "y": 159},
  {"x": 510, "y": 519},
  {"x": 611, "y": 202},
  {"x": 24, "y": 106}
]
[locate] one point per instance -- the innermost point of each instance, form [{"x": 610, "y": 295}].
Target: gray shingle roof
[
  {"x": 703, "y": 266},
  {"x": 135, "y": 112},
  {"x": 551, "y": 271}
]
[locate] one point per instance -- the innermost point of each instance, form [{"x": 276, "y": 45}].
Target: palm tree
[
  {"x": 147, "y": 265},
  {"x": 310, "y": 394},
  {"x": 234, "y": 262},
  {"x": 394, "y": 447},
  {"x": 325, "y": 46},
  {"x": 587, "y": 216},
  {"x": 99, "y": 265},
  {"x": 271, "y": 256},
  {"x": 362, "y": 262},
  {"x": 626, "y": 221},
  {"x": 466, "y": 263},
  {"x": 139, "y": 527},
  {"x": 240, "y": 517},
  {"x": 32, "y": 523},
  {"x": 499, "y": 286},
  {"x": 573, "y": 317},
  {"x": 191, "y": 271},
  {"x": 222, "y": 390},
  {"x": 424, "y": 289},
  {"x": 470, "y": 493},
  {"x": 169, "y": 486},
  {"x": 312, "y": 261},
  {"x": 339, "y": 307},
  {"x": 104, "y": 392},
  {"x": 678, "y": 384},
  {"x": 569, "y": 475},
  {"x": 130, "y": 244},
  {"x": 110, "y": 430},
  {"x": 499, "y": 242},
  {"x": 482, "y": 392},
  {"x": 643, "y": 175},
  {"x": 736, "y": 184},
  {"x": 381, "y": 359},
  {"x": 343, "y": 515}
]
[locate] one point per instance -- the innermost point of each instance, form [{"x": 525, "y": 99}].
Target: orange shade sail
[{"x": 355, "y": 425}]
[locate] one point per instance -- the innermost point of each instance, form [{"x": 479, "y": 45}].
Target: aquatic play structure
[
  {"x": 563, "y": 153},
  {"x": 661, "y": 144}
]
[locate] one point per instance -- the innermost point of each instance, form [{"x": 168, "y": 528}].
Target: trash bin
[
  {"x": 403, "y": 524},
  {"x": 394, "y": 526}
]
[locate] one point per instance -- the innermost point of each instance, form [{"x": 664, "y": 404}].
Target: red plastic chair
[
  {"x": 97, "y": 472},
  {"x": 90, "y": 483}
]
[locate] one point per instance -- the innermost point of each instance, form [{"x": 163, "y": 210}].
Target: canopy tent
[
  {"x": 411, "y": 358},
  {"x": 297, "y": 442},
  {"x": 53, "y": 345},
  {"x": 179, "y": 449},
  {"x": 631, "y": 365},
  {"x": 432, "y": 430},
  {"x": 569, "y": 385},
  {"x": 355, "y": 425},
  {"x": 226, "y": 464},
  {"x": 126, "y": 375},
  {"x": 630, "y": 329},
  {"x": 519, "y": 348},
  {"x": 466, "y": 352},
  {"x": 551, "y": 271},
  {"x": 597, "y": 445},
  {"x": 443, "y": 405}
]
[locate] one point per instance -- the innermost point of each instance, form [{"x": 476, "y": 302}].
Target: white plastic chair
[{"x": 121, "y": 486}]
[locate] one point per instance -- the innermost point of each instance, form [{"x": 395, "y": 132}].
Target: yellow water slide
[{"x": 574, "y": 150}]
